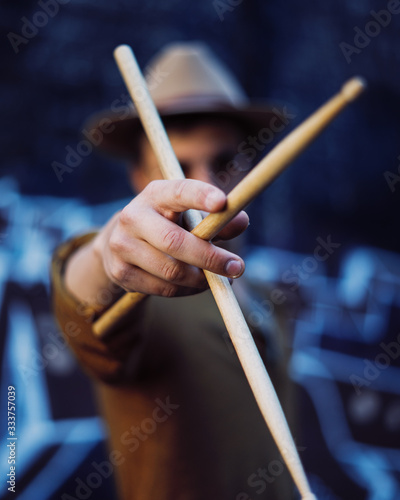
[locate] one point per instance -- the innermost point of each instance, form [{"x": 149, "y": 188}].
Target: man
[{"x": 182, "y": 421}]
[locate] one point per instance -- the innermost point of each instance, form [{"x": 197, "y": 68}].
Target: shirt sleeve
[{"x": 114, "y": 359}]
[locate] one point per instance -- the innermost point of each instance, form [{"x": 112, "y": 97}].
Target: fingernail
[{"x": 234, "y": 268}]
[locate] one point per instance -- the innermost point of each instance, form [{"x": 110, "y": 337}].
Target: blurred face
[{"x": 206, "y": 152}]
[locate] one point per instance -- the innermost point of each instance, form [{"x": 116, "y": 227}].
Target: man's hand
[{"x": 143, "y": 248}]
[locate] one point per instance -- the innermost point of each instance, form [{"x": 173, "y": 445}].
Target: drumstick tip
[
  {"x": 353, "y": 88},
  {"x": 122, "y": 51}
]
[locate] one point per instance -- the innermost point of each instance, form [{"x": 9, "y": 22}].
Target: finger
[
  {"x": 181, "y": 195},
  {"x": 235, "y": 227},
  {"x": 173, "y": 240},
  {"x": 133, "y": 279},
  {"x": 156, "y": 263}
]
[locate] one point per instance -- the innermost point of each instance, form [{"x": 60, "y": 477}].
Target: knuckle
[
  {"x": 116, "y": 244},
  {"x": 125, "y": 216},
  {"x": 210, "y": 258},
  {"x": 119, "y": 272},
  {"x": 204, "y": 193},
  {"x": 173, "y": 240},
  {"x": 180, "y": 189},
  {"x": 173, "y": 271},
  {"x": 169, "y": 291}
]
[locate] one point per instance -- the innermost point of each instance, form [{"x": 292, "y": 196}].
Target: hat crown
[
  {"x": 186, "y": 74},
  {"x": 185, "y": 80}
]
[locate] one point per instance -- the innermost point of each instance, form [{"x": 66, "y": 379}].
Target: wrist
[{"x": 86, "y": 279}]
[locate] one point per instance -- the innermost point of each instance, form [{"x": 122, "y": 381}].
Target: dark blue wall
[
  {"x": 346, "y": 185},
  {"x": 289, "y": 53}
]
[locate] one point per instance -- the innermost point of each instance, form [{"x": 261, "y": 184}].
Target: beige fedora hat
[{"x": 185, "y": 79}]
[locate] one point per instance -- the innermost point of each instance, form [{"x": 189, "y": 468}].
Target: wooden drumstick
[
  {"x": 279, "y": 158},
  {"x": 258, "y": 179},
  {"x": 236, "y": 325}
]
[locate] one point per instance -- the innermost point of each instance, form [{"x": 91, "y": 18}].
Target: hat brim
[{"x": 119, "y": 135}]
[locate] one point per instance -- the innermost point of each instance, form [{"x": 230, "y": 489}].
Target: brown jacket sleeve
[{"x": 115, "y": 359}]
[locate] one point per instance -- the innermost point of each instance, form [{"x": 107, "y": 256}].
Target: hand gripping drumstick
[
  {"x": 256, "y": 181},
  {"x": 236, "y": 325}
]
